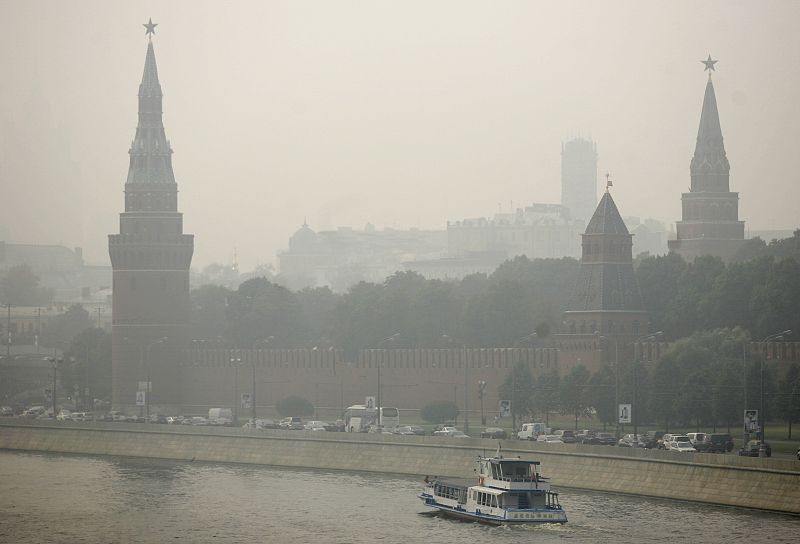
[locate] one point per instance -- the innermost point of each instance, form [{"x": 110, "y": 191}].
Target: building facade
[
  {"x": 710, "y": 211},
  {"x": 150, "y": 258},
  {"x": 579, "y": 178}
]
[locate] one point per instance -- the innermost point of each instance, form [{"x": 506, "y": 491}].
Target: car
[
  {"x": 6, "y": 411},
  {"x": 174, "y": 420},
  {"x": 444, "y": 431},
  {"x": 715, "y": 443},
  {"x": 652, "y": 439},
  {"x": 316, "y": 426},
  {"x": 495, "y": 433},
  {"x": 606, "y": 439},
  {"x": 34, "y": 411},
  {"x": 199, "y": 421},
  {"x": 753, "y": 449},
  {"x": 681, "y": 447},
  {"x": 63, "y": 415},
  {"x": 549, "y": 439},
  {"x": 459, "y": 434},
  {"x": 695, "y": 438},
  {"x": 798, "y": 454},
  {"x": 632, "y": 441},
  {"x": 158, "y": 418},
  {"x": 410, "y": 430},
  {"x": 676, "y": 439},
  {"x": 567, "y": 437},
  {"x": 78, "y": 416},
  {"x": 292, "y": 423},
  {"x": 530, "y": 431}
]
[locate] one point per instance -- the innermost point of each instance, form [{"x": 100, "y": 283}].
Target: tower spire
[
  {"x": 151, "y": 154},
  {"x": 709, "y": 166}
]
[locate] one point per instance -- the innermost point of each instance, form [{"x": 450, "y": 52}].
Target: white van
[{"x": 530, "y": 431}]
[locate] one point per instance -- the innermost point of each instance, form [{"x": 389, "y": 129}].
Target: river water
[{"x": 67, "y": 498}]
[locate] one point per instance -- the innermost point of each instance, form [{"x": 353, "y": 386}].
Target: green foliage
[
  {"x": 574, "y": 392},
  {"x": 87, "y": 361},
  {"x": 294, "y": 405},
  {"x": 61, "y": 329},
  {"x": 439, "y": 412},
  {"x": 520, "y": 389},
  {"x": 20, "y": 287}
]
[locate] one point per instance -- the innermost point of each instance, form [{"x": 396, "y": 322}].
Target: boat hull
[{"x": 465, "y": 515}]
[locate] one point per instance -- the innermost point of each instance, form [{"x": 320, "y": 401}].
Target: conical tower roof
[
  {"x": 151, "y": 154},
  {"x": 606, "y": 218},
  {"x": 709, "y": 152}
]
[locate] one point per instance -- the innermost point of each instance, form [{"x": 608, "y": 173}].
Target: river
[{"x": 69, "y": 498}]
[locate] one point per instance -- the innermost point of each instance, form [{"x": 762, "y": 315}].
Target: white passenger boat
[{"x": 508, "y": 491}]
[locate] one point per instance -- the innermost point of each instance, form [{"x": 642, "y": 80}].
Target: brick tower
[
  {"x": 150, "y": 258},
  {"x": 710, "y": 220}
]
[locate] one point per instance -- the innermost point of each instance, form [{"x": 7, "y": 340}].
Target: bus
[{"x": 358, "y": 418}]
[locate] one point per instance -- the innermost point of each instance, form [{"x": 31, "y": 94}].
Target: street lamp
[
  {"x": 525, "y": 339},
  {"x": 451, "y": 340},
  {"x": 635, "y": 407},
  {"x": 235, "y": 362},
  {"x": 147, "y": 375},
  {"x": 388, "y": 340},
  {"x": 777, "y": 336},
  {"x": 55, "y": 361},
  {"x": 264, "y": 341},
  {"x": 604, "y": 339}
]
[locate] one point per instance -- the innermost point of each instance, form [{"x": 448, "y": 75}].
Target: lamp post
[
  {"x": 54, "y": 361},
  {"x": 388, "y": 340},
  {"x": 527, "y": 338},
  {"x": 451, "y": 340},
  {"x": 481, "y": 393},
  {"x": 635, "y": 407},
  {"x": 147, "y": 376},
  {"x": 265, "y": 341},
  {"x": 762, "y": 416},
  {"x": 235, "y": 362}
]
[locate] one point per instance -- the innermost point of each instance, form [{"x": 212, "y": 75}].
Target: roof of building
[
  {"x": 709, "y": 151},
  {"x": 606, "y": 218}
]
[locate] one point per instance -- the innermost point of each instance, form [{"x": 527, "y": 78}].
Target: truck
[{"x": 530, "y": 431}]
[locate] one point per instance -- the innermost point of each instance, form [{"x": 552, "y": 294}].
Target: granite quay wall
[{"x": 768, "y": 484}]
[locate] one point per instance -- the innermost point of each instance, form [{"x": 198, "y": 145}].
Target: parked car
[
  {"x": 798, "y": 454},
  {"x": 410, "y": 429},
  {"x": 678, "y": 439},
  {"x": 293, "y": 423},
  {"x": 652, "y": 439},
  {"x": 174, "y": 420},
  {"x": 715, "y": 443},
  {"x": 6, "y": 411},
  {"x": 63, "y": 415},
  {"x": 549, "y": 439},
  {"x": 458, "y": 434},
  {"x": 605, "y": 439},
  {"x": 681, "y": 447},
  {"x": 78, "y": 416},
  {"x": 34, "y": 411},
  {"x": 567, "y": 437},
  {"x": 316, "y": 426},
  {"x": 753, "y": 448},
  {"x": 494, "y": 432},
  {"x": 694, "y": 438},
  {"x": 632, "y": 441},
  {"x": 158, "y": 418},
  {"x": 444, "y": 431}
]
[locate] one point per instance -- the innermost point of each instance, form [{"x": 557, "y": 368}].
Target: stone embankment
[{"x": 768, "y": 484}]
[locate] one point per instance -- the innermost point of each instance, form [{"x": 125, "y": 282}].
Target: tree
[
  {"x": 518, "y": 387},
  {"x": 439, "y": 412},
  {"x": 294, "y": 405},
  {"x": 89, "y": 366},
  {"x": 61, "y": 329},
  {"x": 208, "y": 312},
  {"x": 574, "y": 398},
  {"x": 789, "y": 397},
  {"x": 548, "y": 387},
  {"x": 601, "y": 395},
  {"x": 20, "y": 287}
]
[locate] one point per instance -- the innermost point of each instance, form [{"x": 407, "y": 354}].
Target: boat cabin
[{"x": 511, "y": 474}]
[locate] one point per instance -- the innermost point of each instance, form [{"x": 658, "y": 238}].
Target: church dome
[{"x": 303, "y": 240}]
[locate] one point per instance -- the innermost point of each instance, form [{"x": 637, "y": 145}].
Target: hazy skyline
[{"x": 404, "y": 114}]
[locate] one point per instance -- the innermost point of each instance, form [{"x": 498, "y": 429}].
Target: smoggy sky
[{"x": 403, "y": 114}]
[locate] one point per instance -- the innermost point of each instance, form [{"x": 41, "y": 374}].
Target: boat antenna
[{"x": 499, "y": 447}]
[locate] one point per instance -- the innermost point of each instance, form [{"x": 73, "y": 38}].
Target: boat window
[
  {"x": 494, "y": 501},
  {"x": 495, "y": 472}
]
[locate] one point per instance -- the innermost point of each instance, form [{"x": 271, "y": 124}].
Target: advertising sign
[
  {"x": 504, "y": 407},
  {"x": 369, "y": 402},
  {"x": 140, "y": 396},
  {"x": 624, "y": 413},
  {"x": 245, "y": 400}
]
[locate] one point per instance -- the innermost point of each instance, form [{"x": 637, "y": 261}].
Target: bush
[
  {"x": 439, "y": 412},
  {"x": 294, "y": 406}
]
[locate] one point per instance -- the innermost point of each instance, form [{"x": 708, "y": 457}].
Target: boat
[{"x": 509, "y": 491}]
